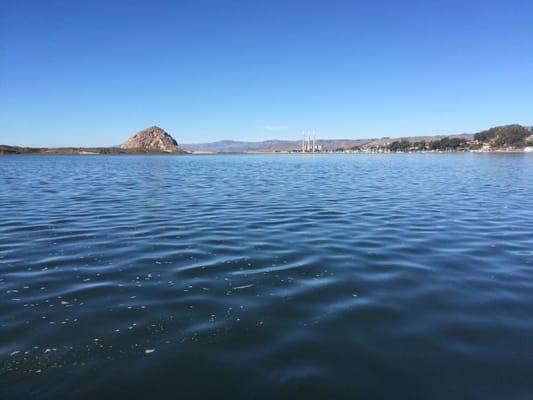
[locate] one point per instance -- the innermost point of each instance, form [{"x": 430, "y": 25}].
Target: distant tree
[
  {"x": 447, "y": 144},
  {"x": 402, "y": 145},
  {"x": 507, "y": 135}
]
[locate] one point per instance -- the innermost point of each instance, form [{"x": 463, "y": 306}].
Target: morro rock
[{"x": 153, "y": 139}]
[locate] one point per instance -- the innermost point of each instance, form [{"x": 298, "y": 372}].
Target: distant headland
[{"x": 154, "y": 140}]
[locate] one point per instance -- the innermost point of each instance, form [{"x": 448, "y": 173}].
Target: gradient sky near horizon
[{"x": 93, "y": 73}]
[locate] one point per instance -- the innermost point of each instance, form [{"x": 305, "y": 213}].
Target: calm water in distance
[{"x": 405, "y": 276}]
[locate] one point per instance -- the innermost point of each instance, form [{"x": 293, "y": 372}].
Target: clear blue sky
[{"x": 95, "y": 72}]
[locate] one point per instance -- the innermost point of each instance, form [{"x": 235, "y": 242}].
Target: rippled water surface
[{"x": 279, "y": 276}]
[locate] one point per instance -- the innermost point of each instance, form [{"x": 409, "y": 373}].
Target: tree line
[
  {"x": 444, "y": 144},
  {"x": 506, "y": 136}
]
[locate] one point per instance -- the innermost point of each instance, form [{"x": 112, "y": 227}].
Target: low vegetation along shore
[
  {"x": 507, "y": 138},
  {"x": 502, "y": 138},
  {"x": 4, "y": 149}
]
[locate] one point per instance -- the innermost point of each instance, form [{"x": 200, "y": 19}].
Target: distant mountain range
[
  {"x": 155, "y": 140},
  {"x": 232, "y": 146}
]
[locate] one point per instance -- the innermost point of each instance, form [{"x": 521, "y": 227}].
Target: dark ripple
[{"x": 266, "y": 276}]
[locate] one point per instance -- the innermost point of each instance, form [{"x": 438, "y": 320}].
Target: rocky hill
[
  {"x": 152, "y": 139},
  {"x": 149, "y": 140}
]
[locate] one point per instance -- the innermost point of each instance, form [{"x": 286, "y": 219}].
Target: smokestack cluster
[{"x": 309, "y": 144}]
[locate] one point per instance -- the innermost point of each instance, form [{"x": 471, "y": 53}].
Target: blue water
[{"x": 405, "y": 276}]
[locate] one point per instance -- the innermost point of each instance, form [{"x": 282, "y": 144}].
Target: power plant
[{"x": 309, "y": 144}]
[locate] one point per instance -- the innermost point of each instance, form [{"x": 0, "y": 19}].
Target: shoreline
[
  {"x": 511, "y": 138},
  {"x": 186, "y": 153},
  {"x": 18, "y": 150}
]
